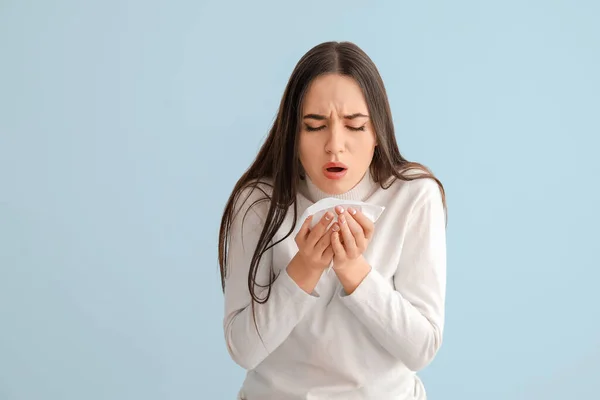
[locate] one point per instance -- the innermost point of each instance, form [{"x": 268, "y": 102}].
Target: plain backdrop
[{"x": 125, "y": 124}]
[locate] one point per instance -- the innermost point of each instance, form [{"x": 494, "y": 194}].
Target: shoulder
[
  {"x": 255, "y": 196},
  {"x": 419, "y": 182},
  {"x": 418, "y": 189}
]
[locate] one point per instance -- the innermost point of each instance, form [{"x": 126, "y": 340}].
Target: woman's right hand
[{"x": 314, "y": 245}]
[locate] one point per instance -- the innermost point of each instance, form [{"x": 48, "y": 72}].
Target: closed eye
[
  {"x": 319, "y": 128},
  {"x": 314, "y": 128},
  {"x": 359, "y": 128}
]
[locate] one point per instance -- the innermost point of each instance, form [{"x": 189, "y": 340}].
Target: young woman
[{"x": 362, "y": 328}]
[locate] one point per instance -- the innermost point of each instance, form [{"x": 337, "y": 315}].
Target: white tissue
[{"x": 317, "y": 210}]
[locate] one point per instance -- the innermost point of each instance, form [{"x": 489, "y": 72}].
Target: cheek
[
  {"x": 367, "y": 148},
  {"x": 373, "y": 138},
  {"x": 364, "y": 143},
  {"x": 304, "y": 150},
  {"x": 372, "y": 143}
]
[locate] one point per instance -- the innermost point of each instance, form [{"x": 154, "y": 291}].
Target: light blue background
[{"x": 124, "y": 125}]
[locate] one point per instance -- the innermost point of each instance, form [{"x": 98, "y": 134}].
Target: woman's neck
[{"x": 361, "y": 191}]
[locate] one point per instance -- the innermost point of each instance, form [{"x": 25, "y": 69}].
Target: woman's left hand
[{"x": 352, "y": 238}]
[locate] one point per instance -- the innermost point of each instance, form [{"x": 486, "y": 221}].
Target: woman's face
[{"x": 337, "y": 140}]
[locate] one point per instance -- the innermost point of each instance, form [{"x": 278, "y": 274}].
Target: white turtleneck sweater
[{"x": 329, "y": 345}]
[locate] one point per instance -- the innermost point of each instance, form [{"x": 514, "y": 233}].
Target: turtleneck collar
[{"x": 360, "y": 192}]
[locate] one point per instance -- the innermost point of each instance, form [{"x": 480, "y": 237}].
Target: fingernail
[
  {"x": 352, "y": 211},
  {"x": 335, "y": 228},
  {"x": 342, "y": 219},
  {"x": 340, "y": 209},
  {"x": 327, "y": 216}
]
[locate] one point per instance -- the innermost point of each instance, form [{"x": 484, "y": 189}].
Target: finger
[
  {"x": 319, "y": 230},
  {"x": 349, "y": 242},
  {"x": 356, "y": 230},
  {"x": 336, "y": 245},
  {"x": 304, "y": 229},
  {"x": 367, "y": 225},
  {"x": 328, "y": 253},
  {"x": 325, "y": 241}
]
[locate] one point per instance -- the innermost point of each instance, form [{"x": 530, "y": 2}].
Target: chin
[{"x": 335, "y": 187}]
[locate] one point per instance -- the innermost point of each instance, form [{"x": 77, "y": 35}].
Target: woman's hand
[
  {"x": 350, "y": 237},
  {"x": 314, "y": 245}
]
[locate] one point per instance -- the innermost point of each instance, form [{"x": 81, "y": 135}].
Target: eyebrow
[{"x": 322, "y": 117}]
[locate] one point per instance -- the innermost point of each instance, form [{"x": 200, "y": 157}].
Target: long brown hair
[{"x": 277, "y": 163}]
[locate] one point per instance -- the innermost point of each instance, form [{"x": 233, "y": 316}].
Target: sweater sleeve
[
  {"x": 287, "y": 302},
  {"x": 407, "y": 319}
]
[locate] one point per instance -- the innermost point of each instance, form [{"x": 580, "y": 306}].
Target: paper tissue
[{"x": 317, "y": 210}]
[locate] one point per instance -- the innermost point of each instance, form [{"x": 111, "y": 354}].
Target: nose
[{"x": 335, "y": 141}]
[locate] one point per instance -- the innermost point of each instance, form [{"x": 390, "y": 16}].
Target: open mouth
[{"x": 336, "y": 169}]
